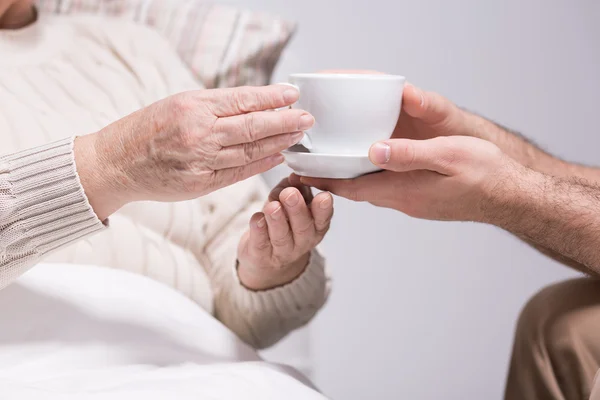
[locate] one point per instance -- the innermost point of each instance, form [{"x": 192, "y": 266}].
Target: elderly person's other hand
[
  {"x": 188, "y": 145},
  {"x": 276, "y": 248}
]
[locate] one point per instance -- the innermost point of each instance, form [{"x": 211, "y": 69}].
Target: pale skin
[
  {"x": 193, "y": 143},
  {"x": 444, "y": 163}
]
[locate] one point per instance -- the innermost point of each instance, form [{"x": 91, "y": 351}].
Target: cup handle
[{"x": 305, "y": 139}]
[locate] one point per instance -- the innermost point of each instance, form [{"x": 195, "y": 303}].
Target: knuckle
[
  {"x": 189, "y": 186},
  {"x": 245, "y": 99},
  {"x": 214, "y": 159},
  {"x": 216, "y": 180},
  {"x": 217, "y": 138},
  {"x": 323, "y": 228},
  {"x": 207, "y": 100},
  {"x": 206, "y": 96},
  {"x": 408, "y": 155},
  {"x": 238, "y": 174},
  {"x": 251, "y": 151},
  {"x": 238, "y": 99},
  {"x": 255, "y": 126},
  {"x": 450, "y": 155},
  {"x": 262, "y": 245},
  {"x": 306, "y": 229},
  {"x": 494, "y": 151},
  {"x": 449, "y": 158},
  {"x": 249, "y": 128},
  {"x": 282, "y": 241},
  {"x": 180, "y": 104}
]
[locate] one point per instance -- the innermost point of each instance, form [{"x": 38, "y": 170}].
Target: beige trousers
[{"x": 556, "y": 351}]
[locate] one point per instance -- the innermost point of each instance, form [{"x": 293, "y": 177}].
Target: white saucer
[{"x": 332, "y": 166}]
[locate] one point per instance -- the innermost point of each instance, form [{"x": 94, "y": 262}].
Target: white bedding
[{"x": 84, "y": 332}]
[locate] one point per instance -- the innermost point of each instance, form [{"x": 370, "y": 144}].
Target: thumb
[
  {"x": 430, "y": 107},
  {"x": 403, "y": 155}
]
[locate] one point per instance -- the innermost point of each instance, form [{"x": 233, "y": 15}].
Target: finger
[
  {"x": 247, "y": 153},
  {"x": 229, "y": 176},
  {"x": 306, "y": 190},
  {"x": 427, "y": 106},
  {"x": 299, "y": 216},
  {"x": 259, "y": 242},
  {"x": 287, "y": 182},
  {"x": 401, "y": 155},
  {"x": 364, "y": 188},
  {"x": 274, "y": 194},
  {"x": 307, "y": 194},
  {"x": 322, "y": 211},
  {"x": 347, "y": 188},
  {"x": 242, "y": 100},
  {"x": 248, "y": 128},
  {"x": 295, "y": 179},
  {"x": 280, "y": 234}
]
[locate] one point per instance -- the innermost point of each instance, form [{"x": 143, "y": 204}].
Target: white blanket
[{"x": 84, "y": 332}]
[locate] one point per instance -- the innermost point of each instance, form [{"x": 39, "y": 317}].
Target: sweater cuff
[
  {"x": 300, "y": 298},
  {"x": 47, "y": 206}
]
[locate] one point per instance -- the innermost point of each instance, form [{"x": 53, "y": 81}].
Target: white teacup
[{"x": 352, "y": 111}]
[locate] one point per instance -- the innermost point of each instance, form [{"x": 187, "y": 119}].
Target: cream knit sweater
[{"x": 66, "y": 76}]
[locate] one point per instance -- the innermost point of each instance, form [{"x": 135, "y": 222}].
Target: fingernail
[
  {"x": 261, "y": 223},
  {"x": 380, "y": 153},
  {"x": 290, "y": 96},
  {"x": 296, "y": 137},
  {"x": 305, "y": 122},
  {"x": 325, "y": 203},
  {"x": 292, "y": 199},
  {"x": 276, "y": 214}
]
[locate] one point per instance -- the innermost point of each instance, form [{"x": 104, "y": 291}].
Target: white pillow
[{"x": 224, "y": 46}]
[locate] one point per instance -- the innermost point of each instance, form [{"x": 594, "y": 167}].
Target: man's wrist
[
  {"x": 516, "y": 191},
  {"x": 98, "y": 183},
  {"x": 480, "y": 127},
  {"x": 518, "y": 147},
  {"x": 259, "y": 279}
]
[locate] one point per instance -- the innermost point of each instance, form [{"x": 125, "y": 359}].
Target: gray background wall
[{"x": 424, "y": 309}]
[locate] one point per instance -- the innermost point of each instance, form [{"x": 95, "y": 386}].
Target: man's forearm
[
  {"x": 531, "y": 156},
  {"x": 559, "y": 216},
  {"x": 562, "y": 259},
  {"x": 527, "y": 153}
]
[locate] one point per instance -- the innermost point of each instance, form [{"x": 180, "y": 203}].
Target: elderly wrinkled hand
[
  {"x": 188, "y": 145},
  {"x": 432, "y": 169},
  {"x": 276, "y": 248}
]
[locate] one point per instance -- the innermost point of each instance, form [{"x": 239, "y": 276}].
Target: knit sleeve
[
  {"x": 42, "y": 207},
  {"x": 261, "y": 318}
]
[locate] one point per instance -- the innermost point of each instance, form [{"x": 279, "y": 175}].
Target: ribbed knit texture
[
  {"x": 66, "y": 76},
  {"x": 42, "y": 207}
]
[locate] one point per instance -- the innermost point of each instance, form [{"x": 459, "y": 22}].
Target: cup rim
[{"x": 317, "y": 75}]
